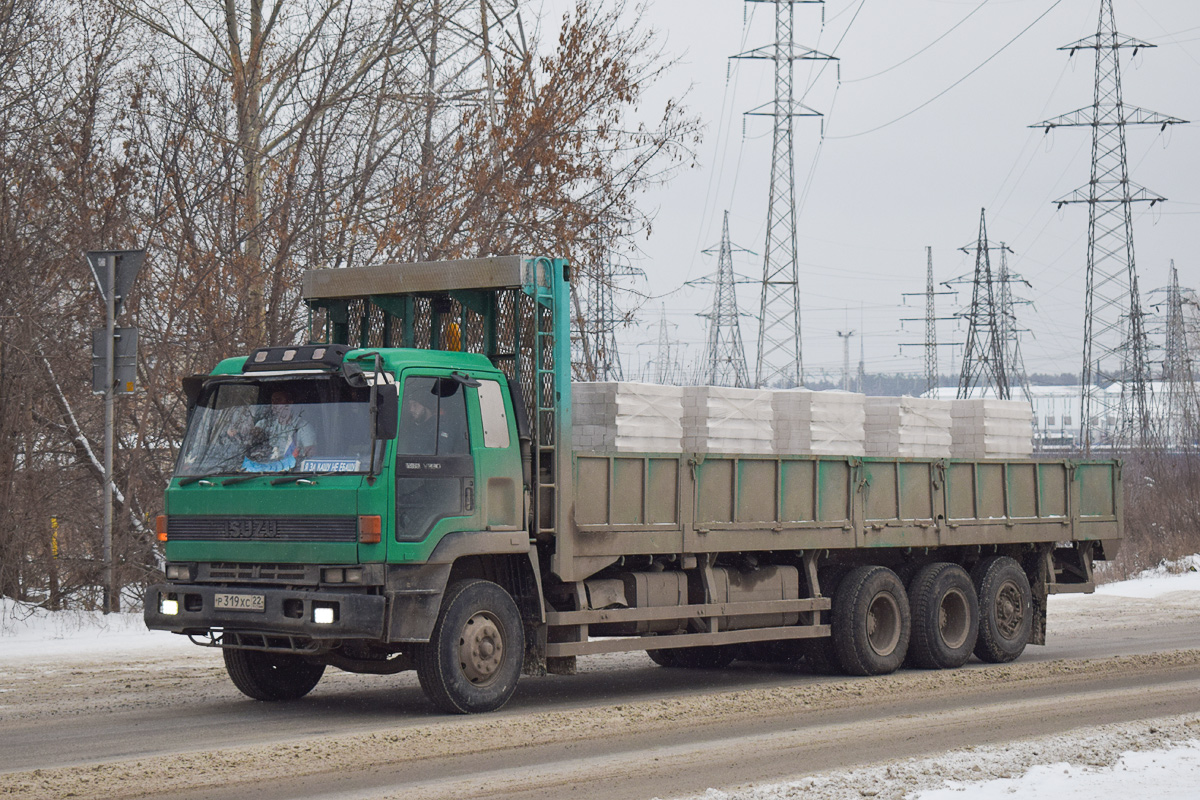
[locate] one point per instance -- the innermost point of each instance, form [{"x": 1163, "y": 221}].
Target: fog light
[
  {"x": 323, "y": 615},
  {"x": 168, "y": 607}
]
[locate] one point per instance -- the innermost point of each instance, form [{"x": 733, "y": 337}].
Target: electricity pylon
[
  {"x": 596, "y": 355},
  {"x": 984, "y": 361},
  {"x": 1182, "y": 411},
  {"x": 1114, "y": 340},
  {"x": 780, "y": 361},
  {"x": 1010, "y": 334},
  {"x": 931, "y": 319},
  {"x": 724, "y": 361}
]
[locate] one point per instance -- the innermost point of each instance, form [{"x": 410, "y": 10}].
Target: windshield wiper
[
  {"x": 190, "y": 479},
  {"x": 241, "y": 478}
]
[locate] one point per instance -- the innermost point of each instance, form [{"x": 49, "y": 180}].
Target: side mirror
[
  {"x": 387, "y": 417},
  {"x": 191, "y": 390}
]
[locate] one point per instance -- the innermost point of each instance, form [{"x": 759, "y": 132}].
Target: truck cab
[{"x": 313, "y": 490}]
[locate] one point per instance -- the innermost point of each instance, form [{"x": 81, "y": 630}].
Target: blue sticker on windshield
[{"x": 330, "y": 465}]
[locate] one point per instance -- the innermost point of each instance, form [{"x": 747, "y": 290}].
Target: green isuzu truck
[{"x": 401, "y": 493}]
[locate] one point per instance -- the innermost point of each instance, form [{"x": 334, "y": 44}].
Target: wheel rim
[
  {"x": 883, "y": 624},
  {"x": 1010, "y": 610},
  {"x": 481, "y": 648},
  {"x": 954, "y": 619}
]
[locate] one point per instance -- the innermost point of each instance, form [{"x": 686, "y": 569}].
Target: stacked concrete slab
[
  {"x": 626, "y": 417},
  {"x": 718, "y": 419},
  {"x": 914, "y": 427},
  {"x": 988, "y": 428},
  {"x": 818, "y": 423}
]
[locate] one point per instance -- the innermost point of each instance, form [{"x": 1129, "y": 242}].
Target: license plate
[{"x": 239, "y": 602}]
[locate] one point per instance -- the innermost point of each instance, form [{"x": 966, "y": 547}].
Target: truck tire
[
  {"x": 708, "y": 657},
  {"x": 1005, "y": 609},
  {"x": 473, "y": 658},
  {"x": 271, "y": 676},
  {"x": 945, "y": 617},
  {"x": 871, "y": 621}
]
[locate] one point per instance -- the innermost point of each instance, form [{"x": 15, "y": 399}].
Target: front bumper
[{"x": 285, "y": 611}]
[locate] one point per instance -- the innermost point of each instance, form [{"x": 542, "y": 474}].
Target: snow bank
[
  {"x": 1170, "y": 774},
  {"x": 30, "y": 633}
]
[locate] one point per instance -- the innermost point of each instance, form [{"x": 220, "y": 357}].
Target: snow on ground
[
  {"x": 1170, "y": 774},
  {"x": 1159, "y": 759},
  {"x": 28, "y": 632}
]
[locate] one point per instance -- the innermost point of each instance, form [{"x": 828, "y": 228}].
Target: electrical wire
[
  {"x": 923, "y": 49},
  {"x": 940, "y": 94}
]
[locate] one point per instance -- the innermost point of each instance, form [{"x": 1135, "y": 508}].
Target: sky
[{"x": 925, "y": 123}]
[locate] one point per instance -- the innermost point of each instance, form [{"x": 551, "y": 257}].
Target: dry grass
[{"x": 1162, "y": 511}]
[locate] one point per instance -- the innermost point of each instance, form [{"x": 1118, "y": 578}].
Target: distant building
[{"x": 1056, "y": 410}]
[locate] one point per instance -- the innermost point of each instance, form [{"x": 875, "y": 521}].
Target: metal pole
[{"x": 110, "y": 600}]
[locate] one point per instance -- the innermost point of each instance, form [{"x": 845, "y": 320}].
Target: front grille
[
  {"x": 263, "y": 529},
  {"x": 260, "y": 573}
]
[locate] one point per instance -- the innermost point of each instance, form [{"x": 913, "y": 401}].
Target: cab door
[{"x": 435, "y": 470}]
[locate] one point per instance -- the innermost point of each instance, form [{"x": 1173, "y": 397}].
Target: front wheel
[
  {"x": 271, "y": 676},
  {"x": 473, "y": 658}
]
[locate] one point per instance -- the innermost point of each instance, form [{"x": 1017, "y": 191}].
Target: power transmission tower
[
  {"x": 984, "y": 362},
  {"x": 931, "y": 372},
  {"x": 595, "y": 353},
  {"x": 665, "y": 371},
  {"x": 724, "y": 360},
  {"x": 1183, "y": 409},
  {"x": 845, "y": 337},
  {"x": 1010, "y": 334},
  {"x": 1114, "y": 340},
  {"x": 780, "y": 361},
  {"x": 931, "y": 319}
]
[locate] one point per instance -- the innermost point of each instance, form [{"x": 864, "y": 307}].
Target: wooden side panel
[
  {"x": 833, "y": 491},
  {"x": 757, "y": 490},
  {"x": 881, "y": 497},
  {"x": 662, "y": 501},
  {"x": 629, "y": 487},
  {"x": 1052, "y": 490},
  {"x": 592, "y": 491},
  {"x": 798, "y": 488},
  {"x": 1096, "y": 496},
  {"x": 1022, "y": 490},
  {"x": 960, "y": 490},
  {"x": 714, "y": 491},
  {"x": 916, "y": 490}
]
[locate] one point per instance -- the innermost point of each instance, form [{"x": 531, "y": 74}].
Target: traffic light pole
[{"x": 111, "y": 601}]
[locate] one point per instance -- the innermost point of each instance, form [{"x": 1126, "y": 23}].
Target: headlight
[
  {"x": 354, "y": 575},
  {"x": 334, "y": 575},
  {"x": 179, "y": 572}
]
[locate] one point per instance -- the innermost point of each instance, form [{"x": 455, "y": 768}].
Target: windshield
[{"x": 319, "y": 424}]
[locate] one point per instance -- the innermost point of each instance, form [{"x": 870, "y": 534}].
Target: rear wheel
[
  {"x": 271, "y": 676},
  {"x": 1005, "y": 609},
  {"x": 473, "y": 658},
  {"x": 945, "y": 617},
  {"x": 871, "y": 621}
]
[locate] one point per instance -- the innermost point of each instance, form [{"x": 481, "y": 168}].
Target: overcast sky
[{"x": 899, "y": 170}]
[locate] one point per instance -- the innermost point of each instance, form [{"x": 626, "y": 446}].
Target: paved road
[{"x": 639, "y": 729}]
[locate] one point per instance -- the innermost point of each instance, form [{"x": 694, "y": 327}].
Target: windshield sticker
[{"x": 330, "y": 465}]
